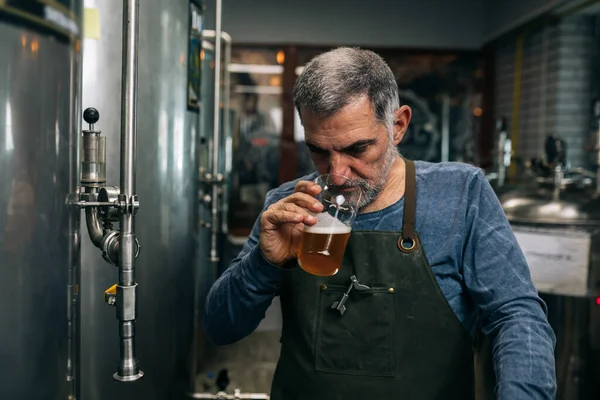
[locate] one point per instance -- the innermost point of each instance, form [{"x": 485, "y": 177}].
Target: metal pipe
[
  {"x": 445, "y": 153},
  {"x": 94, "y": 226},
  {"x": 501, "y": 166},
  {"x": 74, "y": 259},
  {"x": 596, "y": 145},
  {"x": 216, "y": 139},
  {"x": 129, "y": 97},
  {"x": 503, "y": 159},
  {"x": 228, "y": 139},
  {"x": 558, "y": 180},
  {"x": 126, "y": 303},
  {"x": 597, "y": 150}
]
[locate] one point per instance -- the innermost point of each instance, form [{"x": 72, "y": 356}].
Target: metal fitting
[
  {"x": 128, "y": 206},
  {"x": 110, "y": 248},
  {"x": 126, "y": 301},
  {"x": 109, "y": 194}
]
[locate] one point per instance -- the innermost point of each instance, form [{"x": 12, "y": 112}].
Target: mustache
[{"x": 355, "y": 183}]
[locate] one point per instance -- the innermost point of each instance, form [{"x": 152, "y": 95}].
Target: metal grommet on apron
[{"x": 407, "y": 245}]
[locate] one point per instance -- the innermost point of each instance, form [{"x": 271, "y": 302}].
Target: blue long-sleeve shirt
[{"x": 474, "y": 256}]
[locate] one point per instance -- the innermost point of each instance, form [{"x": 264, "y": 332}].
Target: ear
[{"x": 401, "y": 120}]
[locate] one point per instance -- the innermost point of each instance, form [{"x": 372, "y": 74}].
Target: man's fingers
[
  {"x": 285, "y": 213},
  {"x": 307, "y": 187},
  {"x": 305, "y": 201},
  {"x": 280, "y": 217},
  {"x": 308, "y": 217}
]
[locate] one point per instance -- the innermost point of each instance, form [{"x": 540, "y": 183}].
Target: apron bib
[{"x": 395, "y": 336}]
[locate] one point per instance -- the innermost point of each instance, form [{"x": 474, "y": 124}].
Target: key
[{"x": 354, "y": 284}]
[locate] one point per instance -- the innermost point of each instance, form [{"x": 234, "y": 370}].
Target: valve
[
  {"x": 110, "y": 295},
  {"x": 93, "y": 152},
  {"x": 109, "y": 194}
]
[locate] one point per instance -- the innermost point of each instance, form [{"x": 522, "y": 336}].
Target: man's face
[{"x": 355, "y": 144}]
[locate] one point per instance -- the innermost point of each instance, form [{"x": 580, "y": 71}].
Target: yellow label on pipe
[{"x": 110, "y": 291}]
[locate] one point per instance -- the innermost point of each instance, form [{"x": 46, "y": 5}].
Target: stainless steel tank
[
  {"x": 166, "y": 183},
  {"x": 39, "y": 84},
  {"x": 556, "y": 218}
]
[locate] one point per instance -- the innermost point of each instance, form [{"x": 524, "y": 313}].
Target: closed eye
[
  {"x": 354, "y": 149},
  {"x": 316, "y": 150},
  {"x": 357, "y": 148}
]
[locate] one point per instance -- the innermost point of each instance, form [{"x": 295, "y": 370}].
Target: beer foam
[{"x": 328, "y": 224}]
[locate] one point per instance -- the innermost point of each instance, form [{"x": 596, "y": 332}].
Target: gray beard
[{"x": 371, "y": 190}]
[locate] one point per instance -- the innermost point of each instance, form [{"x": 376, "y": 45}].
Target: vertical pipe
[
  {"x": 126, "y": 299},
  {"x": 228, "y": 139},
  {"x": 216, "y": 140},
  {"x": 73, "y": 321},
  {"x": 445, "y": 128},
  {"x": 501, "y": 157},
  {"x": 129, "y": 93},
  {"x": 597, "y": 150}
]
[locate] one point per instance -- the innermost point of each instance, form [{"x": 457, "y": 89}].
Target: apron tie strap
[{"x": 410, "y": 197}]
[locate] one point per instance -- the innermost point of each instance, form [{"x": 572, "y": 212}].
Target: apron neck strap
[{"x": 410, "y": 201}]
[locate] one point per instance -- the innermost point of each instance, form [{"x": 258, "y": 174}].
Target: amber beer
[{"x": 322, "y": 248}]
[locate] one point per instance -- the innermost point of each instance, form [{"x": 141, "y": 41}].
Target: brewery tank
[
  {"x": 39, "y": 86},
  {"x": 556, "y": 218},
  {"x": 166, "y": 183}
]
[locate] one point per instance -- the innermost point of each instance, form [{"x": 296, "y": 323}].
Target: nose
[{"x": 338, "y": 166}]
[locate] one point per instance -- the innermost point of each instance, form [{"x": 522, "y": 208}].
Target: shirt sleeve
[
  {"x": 511, "y": 312},
  {"x": 240, "y": 297}
]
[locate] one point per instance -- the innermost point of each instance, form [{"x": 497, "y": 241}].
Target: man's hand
[{"x": 282, "y": 224}]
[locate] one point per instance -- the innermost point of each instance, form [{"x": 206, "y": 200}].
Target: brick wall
[{"x": 556, "y": 86}]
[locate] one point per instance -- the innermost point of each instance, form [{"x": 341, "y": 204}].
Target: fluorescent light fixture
[
  {"x": 258, "y": 89},
  {"x": 256, "y": 68}
]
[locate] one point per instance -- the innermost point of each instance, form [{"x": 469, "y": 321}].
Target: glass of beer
[{"x": 323, "y": 245}]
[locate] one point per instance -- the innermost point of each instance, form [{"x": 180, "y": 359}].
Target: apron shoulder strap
[{"x": 410, "y": 201}]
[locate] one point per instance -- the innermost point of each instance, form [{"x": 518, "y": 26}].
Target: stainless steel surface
[
  {"x": 166, "y": 184},
  {"x": 94, "y": 226},
  {"x": 93, "y": 157},
  {"x": 128, "y": 369},
  {"x": 39, "y": 81},
  {"x": 539, "y": 202}
]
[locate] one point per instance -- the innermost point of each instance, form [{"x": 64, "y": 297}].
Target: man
[{"x": 431, "y": 241}]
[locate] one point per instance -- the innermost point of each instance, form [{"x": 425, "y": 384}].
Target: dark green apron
[{"x": 397, "y": 339}]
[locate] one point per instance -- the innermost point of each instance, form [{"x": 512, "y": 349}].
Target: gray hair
[{"x": 333, "y": 79}]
